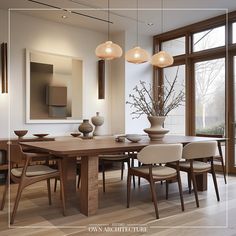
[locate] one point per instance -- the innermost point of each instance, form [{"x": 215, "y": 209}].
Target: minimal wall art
[
  {"x": 101, "y": 79},
  {"x": 54, "y": 88},
  {"x": 4, "y": 73}
]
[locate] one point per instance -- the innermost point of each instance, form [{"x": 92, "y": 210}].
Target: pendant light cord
[
  {"x": 108, "y": 14},
  {"x": 137, "y": 17},
  {"x": 162, "y": 17}
]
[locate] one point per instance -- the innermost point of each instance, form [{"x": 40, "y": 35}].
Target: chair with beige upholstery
[
  {"x": 150, "y": 156},
  {"x": 197, "y": 156},
  {"x": 30, "y": 174},
  {"x": 122, "y": 158}
]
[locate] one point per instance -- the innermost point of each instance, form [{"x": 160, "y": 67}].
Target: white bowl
[{"x": 133, "y": 137}]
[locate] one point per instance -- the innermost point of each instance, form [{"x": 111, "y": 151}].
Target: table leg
[
  {"x": 69, "y": 177},
  {"x": 89, "y": 185},
  {"x": 201, "y": 182}
]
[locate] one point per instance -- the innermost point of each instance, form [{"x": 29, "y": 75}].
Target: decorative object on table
[
  {"x": 162, "y": 59},
  {"x": 120, "y": 138},
  {"x": 20, "y": 133},
  {"x": 108, "y": 50},
  {"x": 137, "y": 55},
  {"x": 4, "y": 73},
  {"x": 40, "y": 135},
  {"x": 75, "y": 134},
  {"x": 85, "y": 128},
  {"x": 156, "y": 108},
  {"x": 134, "y": 137},
  {"x": 97, "y": 121}
]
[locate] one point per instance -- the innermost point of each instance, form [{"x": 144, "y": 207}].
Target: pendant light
[
  {"x": 137, "y": 55},
  {"x": 108, "y": 50},
  {"x": 162, "y": 59}
]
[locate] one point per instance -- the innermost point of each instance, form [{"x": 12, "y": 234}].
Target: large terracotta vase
[
  {"x": 156, "y": 130},
  {"x": 85, "y": 128},
  {"x": 97, "y": 121}
]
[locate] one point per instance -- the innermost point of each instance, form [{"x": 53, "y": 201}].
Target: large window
[
  {"x": 207, "y": 39},
  {"x": 234, "y": 32},
  {"x": 175, "y": 121},
  {"x": 210, "y": 96},
  {"x": 175, "y": 46}
]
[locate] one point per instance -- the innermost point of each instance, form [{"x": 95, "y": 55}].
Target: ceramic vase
[
  {"x": 85, "y": 128},
  {"x": 97, "y": 121},
  {"x": 156, "y": 130}
]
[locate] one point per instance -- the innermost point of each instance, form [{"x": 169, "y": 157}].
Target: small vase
[
  {"x": 97, "y": 121},
  {"x": 85, "y": 128},
  {"x": 156, "y": 131}
]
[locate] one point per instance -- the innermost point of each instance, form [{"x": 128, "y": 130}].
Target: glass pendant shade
[
  {"x": 162, "y": 59},
  {"x": 108, "y": 51},
  {"x": 137, "y": 55}
]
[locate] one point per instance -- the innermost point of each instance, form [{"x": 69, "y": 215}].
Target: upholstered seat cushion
[
  {"x": 33, "y": 170},
  {"x": 197, "y": 165},
  {"x": 158, "y": 172},
  {"x": 110, "y": 157}
]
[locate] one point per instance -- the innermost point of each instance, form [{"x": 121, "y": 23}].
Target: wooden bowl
[
  {"x": 20, "y": 133},
  {"x": 75, "y": 134},
  {"x": 40, "y": 135}
]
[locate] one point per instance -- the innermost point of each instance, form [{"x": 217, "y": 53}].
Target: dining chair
[
  {"x": 121, "y": 158},
  {"x": 197, "y": 156},
  {"x": 30, "y": 174},
  {"x": 219, "y": 157},
  {"x": 150, "y": 156}
]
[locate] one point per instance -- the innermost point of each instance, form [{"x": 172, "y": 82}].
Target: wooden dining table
[{"x": 89, "y": 150}]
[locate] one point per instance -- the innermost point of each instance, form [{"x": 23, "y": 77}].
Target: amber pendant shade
[
  {"x": 162, "y": 59},
  {"x": 137, "y": 55}
]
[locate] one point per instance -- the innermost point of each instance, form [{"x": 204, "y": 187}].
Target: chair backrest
[
  {"x": 16, "y": 153},
  {"x": 160, "y": 153},
  {"x": 199, "y": 150}
]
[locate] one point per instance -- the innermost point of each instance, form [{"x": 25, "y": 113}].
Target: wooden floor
[{"x": 36, "y": 217}]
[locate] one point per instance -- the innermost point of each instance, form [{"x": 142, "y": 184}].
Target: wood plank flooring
[{"x": 35, "y": 217}]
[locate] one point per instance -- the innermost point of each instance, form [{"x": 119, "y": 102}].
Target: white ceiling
[{"x": 177, "y": 13}]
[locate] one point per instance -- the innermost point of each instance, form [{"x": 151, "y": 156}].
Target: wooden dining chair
[
  {"x": 197, "y": 156},
  {"x": 219, "y": 157},
  {"x": 121, "y": 158},
  {"x": 150, "y": 156},
  {"x": 30, "y": 174}
]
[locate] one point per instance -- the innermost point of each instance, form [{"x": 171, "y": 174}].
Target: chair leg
[
  {"x": 215, "y": 183},
  {"x": 180, "y": 191},
  {"x": 18, "y": 196},
  {"x": 132, "y": 165},
  {"x": 78, "y": 181},
  {"x": 167, "y": 189},
  {"x": 154, "y": 197},
  {"x": 55, "y": 185},
  {"x": 195, "y": 188},
  {"x": 122, "y": 170},
  {"x": 5, "y": 192},
  {"x": 49, "y": 192},
  {"x": 103, "y": 176},
  {"x": 189, "y": 183},
  {"x": 128, "y": 188},
  {"x": 139, "y": 179},
  {"x": 223, "y": 168},
  {"x": 62, "y": 189}
]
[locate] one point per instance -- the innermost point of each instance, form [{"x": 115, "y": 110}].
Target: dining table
[{"x": 89, "y": 151}]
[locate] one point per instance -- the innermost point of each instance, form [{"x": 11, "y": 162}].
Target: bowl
[
  {"x": 133, "y": 137},
  {"x": 75, "y": 134},
  {"x": 20, "y": 133},
  {"x": 40, "y": 135}
]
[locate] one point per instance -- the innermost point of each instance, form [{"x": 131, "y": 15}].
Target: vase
[
  {"x": 97, "y": 121},
  {"x": 85, "y": 128},
  {"x": 156, "y": 130}
]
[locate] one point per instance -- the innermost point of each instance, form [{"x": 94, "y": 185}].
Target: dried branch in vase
[{"x": 143, "y": 101}]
